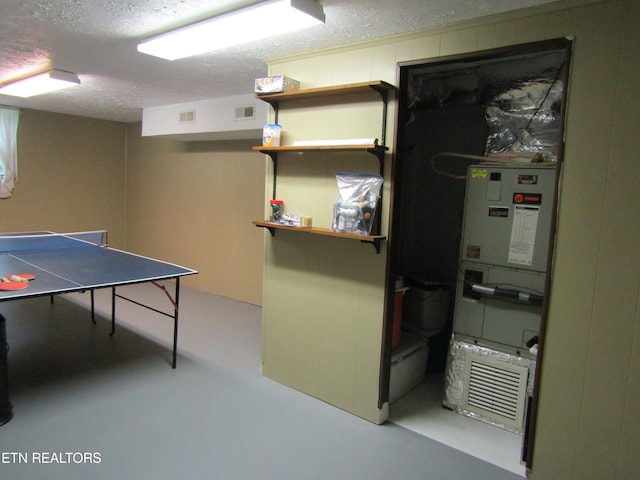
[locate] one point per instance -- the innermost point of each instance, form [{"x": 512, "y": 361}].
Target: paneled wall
[
  {"x": 71, "y": 176},
  {"x": 192, "y": 203},
  {"x": 323, "y": 300},
  {"x": 189, "y": 203}
]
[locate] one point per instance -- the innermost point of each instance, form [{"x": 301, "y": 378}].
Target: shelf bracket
[
  {"x": 274, "y": 159},
  {"x": 375, "y": 242},
  {"x": 272, "y": 230},
  {"x": 379, "y": 153},
  {"x": 384, "y": 94}
]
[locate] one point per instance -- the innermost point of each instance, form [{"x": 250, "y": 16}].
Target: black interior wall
[{"x": 433, "y": 203}]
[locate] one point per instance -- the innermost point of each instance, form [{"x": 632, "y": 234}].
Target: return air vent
[
  {"x": 246, "y": 112},
  {"x": 188, "y": 116},
  {"x": 495, "y": 390}
]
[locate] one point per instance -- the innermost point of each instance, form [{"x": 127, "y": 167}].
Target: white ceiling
[{"x": 97, "y": 40}]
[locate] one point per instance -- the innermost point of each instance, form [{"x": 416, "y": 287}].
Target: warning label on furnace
[
  {"x": 473, "y": 251},
  {"x": 523, "y": 234}
]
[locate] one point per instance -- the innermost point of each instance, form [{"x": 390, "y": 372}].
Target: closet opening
[{"x": 476, "y": 173}]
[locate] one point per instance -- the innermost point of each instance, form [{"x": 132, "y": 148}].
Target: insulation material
[
  {"x": 526, "y": 120},
  {"x": 456, "y": 381}
]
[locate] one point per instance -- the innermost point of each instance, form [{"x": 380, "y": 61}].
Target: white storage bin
[
  {"x": 408, "y": 365},
  {"x": 426, "y": 309}
]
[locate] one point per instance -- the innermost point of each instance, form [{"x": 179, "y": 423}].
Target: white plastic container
[
  {"x": 408, "y": 365},
  {"x": 271, "y": 135},
  {"x": 426, "y": 309}
]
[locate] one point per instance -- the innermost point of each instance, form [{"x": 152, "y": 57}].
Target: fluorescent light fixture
[
  {"x": 264, "y": 19},
  {"x": 41, "y": 83}
]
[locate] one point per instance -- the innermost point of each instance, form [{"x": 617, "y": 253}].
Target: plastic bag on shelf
[{"x": 355, "y": 207}]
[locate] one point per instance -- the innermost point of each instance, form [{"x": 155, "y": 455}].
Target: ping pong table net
[{"x": 45, "y": 240}]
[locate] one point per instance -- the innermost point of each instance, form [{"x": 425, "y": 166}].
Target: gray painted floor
[
  {"x": 76, "y": 390},
  {"x": 421, "y": 411}
]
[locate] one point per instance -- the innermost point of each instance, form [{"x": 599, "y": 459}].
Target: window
[{"x": 8, "y": 150}]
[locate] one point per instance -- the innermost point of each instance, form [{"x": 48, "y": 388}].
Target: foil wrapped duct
[
  {"x": 457, "y": 378},
  {"x": 526, "y": 120}
]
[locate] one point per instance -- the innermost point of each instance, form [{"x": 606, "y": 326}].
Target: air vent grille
[
  {"x": 188, "y": 116},
  {"x": 496, "y": 390},
  {"x": 245, "y": 112}
]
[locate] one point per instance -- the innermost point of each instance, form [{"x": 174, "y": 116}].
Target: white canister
[{"x": 271, "y": 135}]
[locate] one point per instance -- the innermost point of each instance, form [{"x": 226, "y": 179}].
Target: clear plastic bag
[{"x": 355, "y": 208}]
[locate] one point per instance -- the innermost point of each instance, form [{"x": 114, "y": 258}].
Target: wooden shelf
[
  {"x": 374, "y": 148},
  {"x": 376, "y": 240},
  {"x": 327, "y": 94},
  {"x": 324, "y": 92}
]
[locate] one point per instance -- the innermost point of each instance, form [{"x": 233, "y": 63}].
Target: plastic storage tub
[
  {"x": 426, "y": 308},
  {"x": 408, "y": 365}
]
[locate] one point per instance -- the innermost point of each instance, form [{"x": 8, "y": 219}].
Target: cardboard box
[
  {"x": 294, "y": 220},
  {"x": 275, "y": 84}
]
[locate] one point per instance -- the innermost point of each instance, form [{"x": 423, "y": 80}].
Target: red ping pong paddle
[
  {"x": 20, "y": 277},
  {"x": 13, "y": 285}
]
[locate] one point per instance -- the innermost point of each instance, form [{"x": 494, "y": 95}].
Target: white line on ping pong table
[{"x": 44, "y": 270}]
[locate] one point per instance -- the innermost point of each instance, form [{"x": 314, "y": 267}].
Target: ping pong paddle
[
  {"x": 20, "y": 277},
  {"x": 13, "y": 285}
]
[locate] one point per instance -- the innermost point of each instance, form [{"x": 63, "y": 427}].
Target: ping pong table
[{"x": 47, "y": 264}]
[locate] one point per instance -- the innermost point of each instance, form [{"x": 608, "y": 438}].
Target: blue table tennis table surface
[
  {"x": 82, "y": 261},
  {"x": 63, "y": 265}
]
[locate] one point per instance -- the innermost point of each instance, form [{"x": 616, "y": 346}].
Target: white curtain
[{"x": 8, "y": 150}]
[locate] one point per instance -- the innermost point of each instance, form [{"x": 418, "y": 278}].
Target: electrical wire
[
  {"x": 537, "y": 110},
  {"x": 536, "y": 159}
]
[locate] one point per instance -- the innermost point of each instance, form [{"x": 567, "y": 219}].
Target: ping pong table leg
[
  {"x": 175, "y": 301},
  {"x": 175, "y": 323},
  {"x": 93, "y": 308},
  {"x": 113, "y": 310}
]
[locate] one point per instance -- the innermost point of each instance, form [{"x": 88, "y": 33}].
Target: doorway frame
[{"x": 565, "y": 44}]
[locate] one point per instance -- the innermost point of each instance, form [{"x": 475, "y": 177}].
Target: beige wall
[
  {"x": 590, "y": 414},
  {"x": 189, "y": 203},
  {"x": 192, "y": 203},
  {"x": 323, "y": 301},
  {"x": 324, "y": 297},
  {"x": 71, "y": 176}
]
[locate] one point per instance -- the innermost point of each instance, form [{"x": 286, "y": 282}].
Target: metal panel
[
  {"x": 507, "y": 219},
  {"x": 496, "y": 323}
]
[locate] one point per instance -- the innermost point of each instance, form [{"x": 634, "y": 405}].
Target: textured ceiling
[{"x": 97, "y": 40}]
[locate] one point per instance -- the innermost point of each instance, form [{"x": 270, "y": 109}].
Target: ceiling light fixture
[
  {"x": 40, "y": 83},
  {"x": 264, "y": 19}
]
